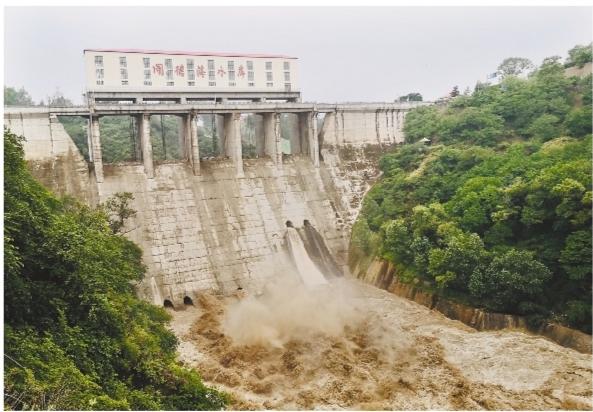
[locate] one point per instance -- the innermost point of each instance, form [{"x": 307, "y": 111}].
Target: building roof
[{"x": 190, "y": 53}]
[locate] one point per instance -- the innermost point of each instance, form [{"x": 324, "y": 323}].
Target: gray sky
[{"x": 346, "y": 54}]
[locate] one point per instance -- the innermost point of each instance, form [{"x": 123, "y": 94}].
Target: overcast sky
[{"x": 346, "y": 54}]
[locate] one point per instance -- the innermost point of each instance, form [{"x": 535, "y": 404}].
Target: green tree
[
  {"x": 14, "y": 97},
  {"x": 472, "y": 125},
  {"x": 576, "y": 255},
  {"x": 578, "y": 122},
  {"x": 453, "y": 263},
  {"x": 76, "y": 335},
  {"x": 545, "y": 127},
  {"x": 118, "y": 209},
  {"x": 511, "y": 278},
  {"x": 579, "y": 56},
  {"x": 514, "y": 66},
  {"x": 421, "y": 122},
  {"x": 411, "y": 97},
  {"x": 58, "y": 100}
]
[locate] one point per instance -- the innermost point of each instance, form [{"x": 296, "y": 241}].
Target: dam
[{"x": 214, "y": 224}]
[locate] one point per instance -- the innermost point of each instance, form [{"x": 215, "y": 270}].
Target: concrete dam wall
[{"x": 220, "y": 230}]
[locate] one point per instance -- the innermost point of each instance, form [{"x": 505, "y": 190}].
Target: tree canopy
[
  {"x": 580, "y": 55},
  {"x": 497, "y": 211},
  {"x": 76, "y": 336},
  {"x": 514, "y": 66},
  {"x": 14, "y": 97}
]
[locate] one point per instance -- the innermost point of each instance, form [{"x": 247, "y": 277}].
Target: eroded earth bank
[{"x": 349, "y": 345}]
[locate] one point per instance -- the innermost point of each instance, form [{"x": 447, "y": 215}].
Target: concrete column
[
  {"x": 144, "y": 130},
  {"x": 377, "y": 127},
  {"x": 219, "y": 135},
  {"x": 400, "y": 126},
  {"x": 313, "y": 139},
  {"x": 194, "y": 157},
  {"x": 336, "y": 127},
  {"x": 183, "y": 131},
  {"x": 96, "y": 148},
  {"x": 393, "y": 126},
  {"x": 233, "y": 147},
  {"x": 272, "y": 138},
  {"x": 301, "y": 144},
  {"x": 226, "y": 131},
  {"x": 260, "y": 138}
]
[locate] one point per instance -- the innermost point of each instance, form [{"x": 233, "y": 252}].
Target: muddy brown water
[{"x": 394, "y": 354}]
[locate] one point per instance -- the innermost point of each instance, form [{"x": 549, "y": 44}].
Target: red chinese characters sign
[
  {"x": 221, "y": 72},
  {"x": 180, "y": 70},
  {"x": 241, "y": 71},
  {"x": 201, "y": 72},
  {"x": 158, "y": 69}
]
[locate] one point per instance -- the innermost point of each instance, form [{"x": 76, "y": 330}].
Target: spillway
[{"x": 306, "y": 268}]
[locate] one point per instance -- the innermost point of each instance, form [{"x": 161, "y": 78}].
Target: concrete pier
[
  {"x": 146, "y": 145},
  {"x": 272, "y": 139},
  {"x": 194, "y": 152},
  {"x": 232, "y": 138},
  {"x": 95, "y": 148}
]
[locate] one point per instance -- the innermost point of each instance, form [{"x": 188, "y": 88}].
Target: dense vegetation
[
  {"x": 496, "y": 211},
  {"x": 75, "y": 334}
]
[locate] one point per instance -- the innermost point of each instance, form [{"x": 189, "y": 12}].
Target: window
[
  {"x": 211, "y": 72},
  {"x": 211, "y": 83},
  {"x": 269, "y": 72},
  {"x": 123, "y": 62},
  {"x": 191, "y": 73},
  {"x": 250, "y": 75},
  {"x": 286, "y": 87},
  {"x": 286, "y": 76},
  {"x": 286, "y": 66},
  {"x": 147, "y": 73},
  {"x": 269, "y": 84},
  {"x": 99, "y": 71},
  {"x": 170, "y": 83},
  {"x": 191, "y": 83},
  {"x": 124, "y": 82},
  {"x": 250, "y": 84},
  {"x": 232, "y": 84},
  {"x": 169, "y": 69},
  {"x": 123, "y": 74},
  {"x": 231, "y": 67}
]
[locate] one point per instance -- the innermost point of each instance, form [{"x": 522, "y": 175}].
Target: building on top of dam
[{"x": 182, "y": 76}]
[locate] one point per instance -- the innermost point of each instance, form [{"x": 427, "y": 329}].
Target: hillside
[
  {"x": 496, "y": 210},
  {"x": 75, "y": 334}
]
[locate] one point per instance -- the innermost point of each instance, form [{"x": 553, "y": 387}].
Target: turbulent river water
[{"x": 348, "y": 345}]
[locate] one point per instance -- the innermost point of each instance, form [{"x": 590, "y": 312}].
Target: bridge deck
[{"x": 207, "y": 108}]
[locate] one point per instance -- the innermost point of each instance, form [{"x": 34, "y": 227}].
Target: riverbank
[{"x": 382, "y": 274}]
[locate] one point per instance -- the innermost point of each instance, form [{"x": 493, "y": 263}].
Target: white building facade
[{"x": 182, "y": 76}]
